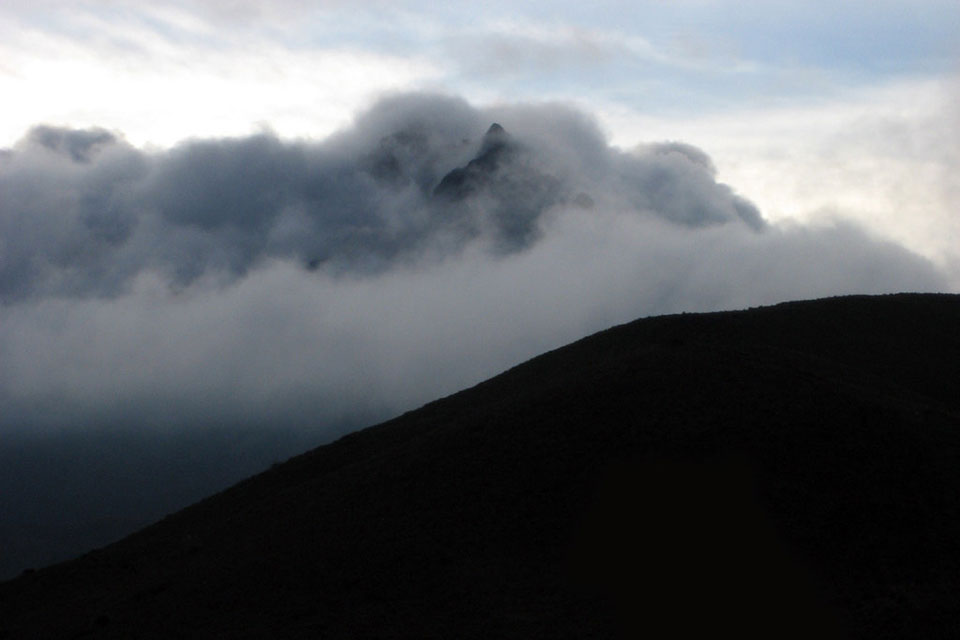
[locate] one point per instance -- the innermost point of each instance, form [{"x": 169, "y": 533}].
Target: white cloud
[
  {"x": 884, "y": 156},
  {"x": 292, "y": 348},
  {"x": 159, "y": 87},
  {"x": 261, "y": 282}
]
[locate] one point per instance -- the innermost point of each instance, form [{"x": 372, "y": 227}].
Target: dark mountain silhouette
[
  {"x": 495, "y": 149},
  {"x": 789, "y": 471},
  {"x": 513, "y": 191}
]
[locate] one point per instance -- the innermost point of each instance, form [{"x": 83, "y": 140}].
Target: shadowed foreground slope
[{"x": 790, "y": 471}]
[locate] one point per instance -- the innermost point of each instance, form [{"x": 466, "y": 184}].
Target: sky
[{"x": 296, "y": 215}]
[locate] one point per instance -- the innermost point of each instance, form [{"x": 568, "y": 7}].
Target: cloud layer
[{"x": 261, "y": 281}]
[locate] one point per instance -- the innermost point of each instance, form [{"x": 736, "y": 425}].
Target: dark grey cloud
[
  {"x": 258, "y": 281},
  {"x": 79, "y": 145},
  {"x": 84, "y": 212}
]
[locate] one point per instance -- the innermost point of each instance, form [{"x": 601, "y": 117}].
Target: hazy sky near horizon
[{"x": 152, "y": 272}]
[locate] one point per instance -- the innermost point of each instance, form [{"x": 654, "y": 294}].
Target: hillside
[{"x": 787, "y": 471}]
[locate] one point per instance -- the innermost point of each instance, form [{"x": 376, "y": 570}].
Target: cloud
[
  {"x": 415, "y": 176},
  {"x": 883, "y": 157},
  {"x": 257, "y": 281}
]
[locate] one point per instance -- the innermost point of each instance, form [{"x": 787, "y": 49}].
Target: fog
[
  {"x": 173, "y": 320},
  {"x": 262, "y": 282}
]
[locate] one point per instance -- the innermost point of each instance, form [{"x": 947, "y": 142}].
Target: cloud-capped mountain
[
  {"x": 417, "y": 251},
  {"x": 84, "y": 212},
  {"x": 787, "y": 471}
]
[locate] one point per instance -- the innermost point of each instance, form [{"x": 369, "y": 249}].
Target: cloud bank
[{"x": 258, "y": 281}]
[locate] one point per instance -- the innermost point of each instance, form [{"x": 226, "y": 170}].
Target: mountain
[
  {"x": 496, "y": 149},
  {"x": 788, "y": 471},
  {"x": 503, "y": 175}
]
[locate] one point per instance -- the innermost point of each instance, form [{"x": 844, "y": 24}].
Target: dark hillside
[{"x": 790, "y": 471}]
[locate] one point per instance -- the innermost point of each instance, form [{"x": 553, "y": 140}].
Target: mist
[
  {"x": 173, "y": 320},
  {"x": 261, "y": 282}
]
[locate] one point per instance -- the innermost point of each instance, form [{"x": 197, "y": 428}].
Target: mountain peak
[
  {"x": 462, "y": 181},
  {"x": 496, "y": 137},
  {"x": 495, "y": 129}
]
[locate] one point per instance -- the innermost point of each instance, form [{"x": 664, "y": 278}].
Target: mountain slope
[{"x": 790, "y": 471}]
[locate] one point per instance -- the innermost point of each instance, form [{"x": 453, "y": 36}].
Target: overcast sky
[{"x": 662, "y": 156}]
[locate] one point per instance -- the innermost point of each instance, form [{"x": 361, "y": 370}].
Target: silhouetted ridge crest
[{"x": 789, "y": 471}]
